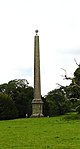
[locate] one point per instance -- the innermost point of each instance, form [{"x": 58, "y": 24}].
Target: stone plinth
[{"x": 37, "y": 108}]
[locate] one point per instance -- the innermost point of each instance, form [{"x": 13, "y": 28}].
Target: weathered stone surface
[{"x": 37, "y": 103}]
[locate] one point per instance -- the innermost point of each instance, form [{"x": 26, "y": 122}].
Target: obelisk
[{"x": 37, "y": 103}]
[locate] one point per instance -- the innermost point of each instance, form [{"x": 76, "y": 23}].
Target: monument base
[
  {"x": 37, "y": 115},
  {"x": 37, "y": 106}
]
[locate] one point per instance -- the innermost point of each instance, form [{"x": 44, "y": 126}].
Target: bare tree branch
[
  {"x": 68, "y": 78},
  {"x": 76, "y": 62},
  {"x": 65, "y": 76},
  {"x": 60, "y": 85}
]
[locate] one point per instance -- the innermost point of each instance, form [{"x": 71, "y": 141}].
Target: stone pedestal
[
  {"x": 37, "y": 103},
  {"x": 37, "y": 108}
]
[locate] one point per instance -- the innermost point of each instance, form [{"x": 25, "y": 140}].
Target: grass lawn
[{"x": 40, "y": 133}]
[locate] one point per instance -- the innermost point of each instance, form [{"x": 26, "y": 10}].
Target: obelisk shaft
[{"x": 37, "y": 81}]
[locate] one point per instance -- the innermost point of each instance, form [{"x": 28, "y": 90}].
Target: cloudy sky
[{"x": 58, "y": 22}]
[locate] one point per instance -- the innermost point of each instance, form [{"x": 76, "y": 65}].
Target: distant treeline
[{"x": 16, "y": 98}]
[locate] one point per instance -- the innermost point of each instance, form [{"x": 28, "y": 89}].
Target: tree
[
  {"x": 7, "y": 107},
  {"x": 57, "y": 102},
  {"x": 20, "y": 93},
  {"x": 23, "y": 101},
  {"x": 73, "y": 90},
  {"x": 77, "y": 76},
  {"x": 45, "y": 107}
]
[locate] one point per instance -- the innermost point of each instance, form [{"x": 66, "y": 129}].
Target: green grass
[{"x": 40, "y": 133}]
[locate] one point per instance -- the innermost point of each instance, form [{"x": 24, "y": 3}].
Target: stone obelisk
[{"x": 37, "y": 103}]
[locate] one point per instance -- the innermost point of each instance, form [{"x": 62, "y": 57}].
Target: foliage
[
  {"x": 21, "y": 95},
  {"x": 73, "y": 91},
  {"x": 45, "y": 107},
  {"x": 57, "y": 102},
  {"x": 23, "y": 101},
  {"x": 7, "y": 107},
  {"x": 66, "y": 98},
  {"x": 77, "y": 76}
]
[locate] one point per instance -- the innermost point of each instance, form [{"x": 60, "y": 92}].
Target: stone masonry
[{"x": 37, "y": 103}]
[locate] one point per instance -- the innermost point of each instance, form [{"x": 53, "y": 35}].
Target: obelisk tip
[{"x": 36, "y": 31}]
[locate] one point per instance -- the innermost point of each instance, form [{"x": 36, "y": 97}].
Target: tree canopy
[
  {"x": 65, "y": 98},
  {"x": 20, "y": 93}
]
